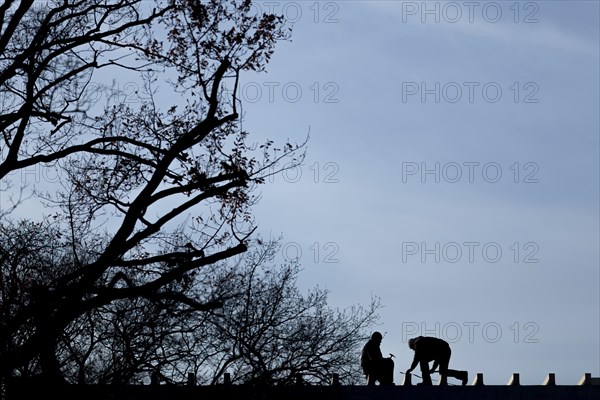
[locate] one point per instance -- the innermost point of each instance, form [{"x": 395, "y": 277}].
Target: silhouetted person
[
  {"x": 374, "y": 365},
  {"x": 437, "y": 350}
]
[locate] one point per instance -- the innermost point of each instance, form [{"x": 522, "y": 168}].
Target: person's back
[
  {"x": 429, "y": 348},
  {"x": 371, "y": 353}
]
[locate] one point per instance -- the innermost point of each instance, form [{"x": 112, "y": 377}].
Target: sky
[{"x": 452, "y": 170}]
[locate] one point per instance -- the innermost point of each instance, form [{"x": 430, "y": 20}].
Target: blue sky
[
  {"x": 452, "y": 170},
  {"x": 370, "y": 199}
]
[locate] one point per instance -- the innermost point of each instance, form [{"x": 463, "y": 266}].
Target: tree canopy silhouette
[
  {"x": 150, "y": 191},
  {"x": 270, "y": 332}
]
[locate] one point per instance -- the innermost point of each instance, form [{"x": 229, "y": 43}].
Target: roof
[{"x": 588, "y": 388}]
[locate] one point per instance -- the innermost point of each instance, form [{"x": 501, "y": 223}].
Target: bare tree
[
  {"x": 268, "y": 331},
  {"x": 273, "y": 333},
  {"x": 132, "y": 340},
  {"x": 150, "y": 191}
]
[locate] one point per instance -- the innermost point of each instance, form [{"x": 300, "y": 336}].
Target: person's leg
[
  {"x": 387, "y": 371},
  {"x": 383, "y": 371},
  {"x": 460, "y": 375},
  {"x": 375, "y": 373},
  {"x": 370, "y": 379},
  {"x": 425, "y": 372},
  {"x": 443, "y": 362},
  {"x": 443, "y": 372}
]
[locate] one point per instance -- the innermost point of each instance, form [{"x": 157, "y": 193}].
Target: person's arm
[
  {"x": 414, "y": 364},
  {"x": 435, "y": 365}
]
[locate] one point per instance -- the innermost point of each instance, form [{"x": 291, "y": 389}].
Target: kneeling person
[{"x": 374, "y": 365}]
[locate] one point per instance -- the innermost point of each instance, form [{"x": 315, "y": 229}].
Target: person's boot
[
  {"x": 464, "y": 377},
  {"x": 370, "y": 380},
  {"x": 426, "y": 380},
  {"x": 443, "y": 380}
]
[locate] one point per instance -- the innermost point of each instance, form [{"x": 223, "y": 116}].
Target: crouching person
[{"x": 437, "y": 350}]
